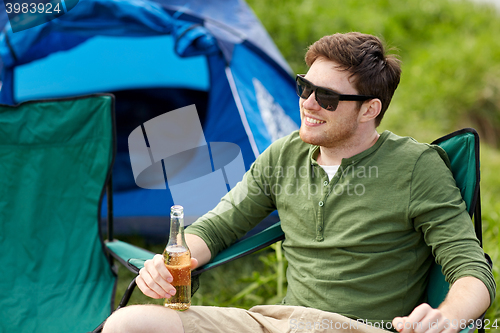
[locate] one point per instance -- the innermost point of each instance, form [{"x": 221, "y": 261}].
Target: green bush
[{"x": 450, "y": 54}]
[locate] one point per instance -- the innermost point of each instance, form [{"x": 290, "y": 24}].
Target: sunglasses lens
[
  {"x": 304, "y": 89},
  {"x": 327, "y": 99}
]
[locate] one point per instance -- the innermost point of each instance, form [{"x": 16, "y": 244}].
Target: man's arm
[
  {"x": 238, "y": 212},
  {"x": 199, "y": 249},
  {"x": 466, "y": 301},
  {"x": 438, "y": 210},
  {"x": 154, "y": 278}
]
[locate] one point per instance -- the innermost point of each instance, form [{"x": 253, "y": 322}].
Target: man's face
[{"x": 322, "y": 127}]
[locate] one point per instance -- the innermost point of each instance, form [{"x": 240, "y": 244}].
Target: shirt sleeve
[
  {"x": 240, "y": 209},
  {"x": 439, "y": 212}
]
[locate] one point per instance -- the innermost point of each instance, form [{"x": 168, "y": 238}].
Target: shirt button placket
[{"x": 319, "y": 228}]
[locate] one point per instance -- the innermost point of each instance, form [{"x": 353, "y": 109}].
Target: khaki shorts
[{"x": 269, "y": 319}]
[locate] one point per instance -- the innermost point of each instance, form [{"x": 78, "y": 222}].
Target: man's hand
[
  {"x": 424, "y": 319},
  {"x": 154, "y": 278},
  {"x": 466, "y": 301}
]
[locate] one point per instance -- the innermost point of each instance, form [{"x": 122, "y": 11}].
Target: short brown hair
[{"x": 374, "y": 73}]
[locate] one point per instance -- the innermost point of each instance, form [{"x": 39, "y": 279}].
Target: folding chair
[
  {"x": 56, "y": 156},
  {"x": 462, "y": 148}
]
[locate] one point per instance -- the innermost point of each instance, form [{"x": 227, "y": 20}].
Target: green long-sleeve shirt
[{"x": 361, "y": 244}]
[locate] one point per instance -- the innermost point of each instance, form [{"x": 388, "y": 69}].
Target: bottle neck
[{"x": 176, "y": 237}]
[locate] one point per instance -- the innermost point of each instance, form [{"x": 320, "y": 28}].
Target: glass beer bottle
[{"x": 178, "y": 261}]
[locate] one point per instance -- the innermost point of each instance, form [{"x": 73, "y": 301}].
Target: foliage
[{"x": 451, "y": 57}]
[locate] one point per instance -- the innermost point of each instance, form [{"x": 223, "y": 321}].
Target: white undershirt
[{"x": 330, "y": 170}]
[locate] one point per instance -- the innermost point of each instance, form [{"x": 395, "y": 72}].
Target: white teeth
[{"x": 314, "y": 121}]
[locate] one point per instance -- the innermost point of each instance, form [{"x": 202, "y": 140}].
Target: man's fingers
[
  {"x": 154, "y": 281},
  {"x": 149, "y": 283},
  {"x": 159, "y": 265},
  {"x": 423, "y": 319},
  {"x": 419, "y": 313},
  {"x": 194, "y": 263},
  {"x": 427, "y": 319},
  {"x": 399, "y": 323},
  {"x": 145, "y": 288},
  {"x": 433, "y": 322},
  {"x": 411, "y": 323}
]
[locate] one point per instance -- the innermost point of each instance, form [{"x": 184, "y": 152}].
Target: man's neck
[{"x": 334, "y": 155}]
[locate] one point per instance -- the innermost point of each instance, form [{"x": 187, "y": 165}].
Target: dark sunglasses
[{"x": 326, "y": 98}]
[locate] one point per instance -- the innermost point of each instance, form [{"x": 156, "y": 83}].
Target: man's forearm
[
  {"x": 467, "y": 299},
  {"x": 198, "y": 248}
]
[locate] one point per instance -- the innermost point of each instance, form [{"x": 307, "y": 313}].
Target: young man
[{"x": 364, "y": 214}]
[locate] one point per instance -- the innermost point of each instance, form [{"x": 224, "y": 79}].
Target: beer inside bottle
[{"x": 178, "y": 261}]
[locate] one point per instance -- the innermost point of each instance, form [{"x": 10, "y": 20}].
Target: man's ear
[{"x": 370, "y": 110}]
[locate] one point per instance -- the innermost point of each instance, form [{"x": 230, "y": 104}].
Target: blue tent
[{"x": 156, "y": 56}]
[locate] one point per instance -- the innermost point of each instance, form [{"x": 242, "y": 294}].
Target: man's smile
[{"x": 313, "y": 121}]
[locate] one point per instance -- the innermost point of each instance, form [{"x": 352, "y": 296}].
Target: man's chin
[{"x": 307, "y": 138}]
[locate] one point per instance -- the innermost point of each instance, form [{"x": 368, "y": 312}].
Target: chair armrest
[
  {"x": 247, "y": 246},
  {"x": 239, "y": 249},
  {"x": 123, "y": 252}
]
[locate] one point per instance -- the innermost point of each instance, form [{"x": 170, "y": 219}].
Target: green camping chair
[
  {"x": 462, "y": 148},
  {"x": 56, "y": 156}
]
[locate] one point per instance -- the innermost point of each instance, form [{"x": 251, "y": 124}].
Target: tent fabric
[
  {"x": 55, "y": 76},
  {"x": 56, "y": 156},
  {"x": 157, "y": 56},
  {"x": 91, "y": 18},
  {"x": 233, "y": 14},
  {"x": 131, "y": 18}
]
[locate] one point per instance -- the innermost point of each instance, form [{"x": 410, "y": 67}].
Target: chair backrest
[
  {"x": 462, "y": 148},
  {"x": 55, "y": 158}
]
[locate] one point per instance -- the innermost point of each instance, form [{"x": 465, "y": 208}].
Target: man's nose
[{"x": 310, "y": 103}]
